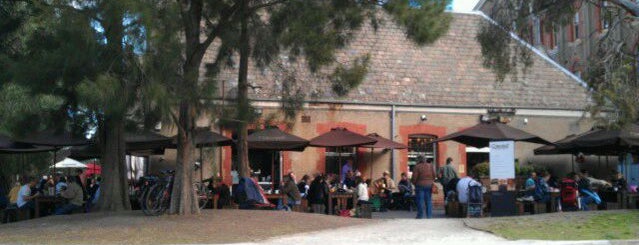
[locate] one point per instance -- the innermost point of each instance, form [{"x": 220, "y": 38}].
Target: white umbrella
[{"x": 69, "y": 163}]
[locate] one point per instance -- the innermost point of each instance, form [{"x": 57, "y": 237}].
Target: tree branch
[
  {"x": 630, "y": 6},
  {"x": 267, "y": 4}
]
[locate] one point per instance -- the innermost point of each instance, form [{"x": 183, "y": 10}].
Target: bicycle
[{"x": 157, "y": 197}]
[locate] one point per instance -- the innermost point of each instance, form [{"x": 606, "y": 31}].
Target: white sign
[{"x": 502, "y": 159}]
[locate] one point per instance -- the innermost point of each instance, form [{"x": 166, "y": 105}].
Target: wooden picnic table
[
  {"x": 276, "y": 198},
  {"x": 46, "y": 200},
  {"x": 342, "y": 200}
]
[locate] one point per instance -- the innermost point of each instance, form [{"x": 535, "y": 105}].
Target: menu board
[{"x": 502, "y": 159}]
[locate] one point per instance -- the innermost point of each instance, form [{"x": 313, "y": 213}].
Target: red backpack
[{"x": 569, "y": 192}]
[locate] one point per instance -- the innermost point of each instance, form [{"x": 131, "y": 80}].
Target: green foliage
[
  {"x": 19, "y": 108},
  {"x": 424, "y": 24},
  {"x": 344, "y": 78},
  {"x": 481, "y": 169}
]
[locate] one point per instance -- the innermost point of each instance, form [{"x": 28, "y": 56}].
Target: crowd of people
[
  {"x": 316, "y": 189},
  {"x": 585, "y": 189},
  {"x": 78, "y": 193}
]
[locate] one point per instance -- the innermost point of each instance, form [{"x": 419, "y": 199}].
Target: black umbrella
[
  {"x": 341, "y": 137},
  {"x": 623, "y": 138},
  {"x": 382, "y": 143},
  {"x": 146, "y": 140},
  {"x": 274, "y": 139},
  {"x": 204, "y": 137},
  {"x": 8, "y": 146},
  {"x": 55, "y": 139},
  {"x": 481, "y": 134}
]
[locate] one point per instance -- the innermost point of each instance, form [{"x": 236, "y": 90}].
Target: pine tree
[{"x": 260, "y": 30}]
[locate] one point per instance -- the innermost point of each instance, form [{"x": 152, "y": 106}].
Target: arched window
[{"x": 421, "y": 144}]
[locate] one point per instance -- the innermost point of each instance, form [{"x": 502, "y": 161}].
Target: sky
[{"x": 464, "y": 5}]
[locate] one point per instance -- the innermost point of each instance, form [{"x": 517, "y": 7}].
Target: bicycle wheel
[
  {"x": 202, "y": 194},
  {"x": 156, "y": 200}
]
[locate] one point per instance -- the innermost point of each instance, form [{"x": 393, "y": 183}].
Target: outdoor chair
[
  {"x": 365, "y": 211},
  {"x": 376, "y": 203}
]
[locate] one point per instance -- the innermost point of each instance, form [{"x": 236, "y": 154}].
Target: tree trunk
[
  {"x": 113, "y": 189},
  {"x": 242, "y": 95},
  {"x": 183, "y": 198}
]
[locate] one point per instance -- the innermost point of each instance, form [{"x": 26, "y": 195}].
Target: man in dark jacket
[{"x": 318, "y": 194}]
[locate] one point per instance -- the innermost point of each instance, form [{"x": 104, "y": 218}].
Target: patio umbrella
[
  {"x": 145, "y": 140},
  {"x": 481, "y": 134},
  {"x": 93, "y": 169},
  {"x": 69, "y": 163},
  {"x": 567, "y": 146},
  {"x": 382, "y": 143},
  {"x": 204, "y": 137},
  {"x": 55, "y": 139},
  {"x": 85, "y": 152},
  {"x": 341, "y": 137},
  {"x": 625, "y": 137},
  {"x": 274, "y": 139},
  {"x": 8, "y": 146}
]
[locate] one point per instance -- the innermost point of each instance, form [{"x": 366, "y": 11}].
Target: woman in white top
[{"x": 362, "y": 191}]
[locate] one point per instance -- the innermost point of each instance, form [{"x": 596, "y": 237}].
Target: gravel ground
[{"x": 218, "y": 226}]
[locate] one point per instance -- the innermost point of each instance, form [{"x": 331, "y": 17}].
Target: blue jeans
[
  {"x": 423, "y": 198},
  {"x": 66, "y": 209}
]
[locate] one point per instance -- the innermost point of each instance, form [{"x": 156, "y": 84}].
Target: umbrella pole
[
  {"x": 55, "y": 155},
  {"x": 273, "y": 170},
  {"x": 339, "y": 164},
  {"x": 572, "y": 162},
  {"x": 201, "y": 167},
  {"x": 371, "y": 170}
]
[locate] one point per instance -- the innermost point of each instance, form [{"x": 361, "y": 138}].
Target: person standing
[
  {"x": 303, "y": 185},
  {"x": 423, "y": 178},
  {"x": 289, "y": 189},
  {"x": 446, "y": 174},
  {"x": 362, "y": 191},
  {"x": 317, "y": 194},
  {"x": 348, "y": 166}
]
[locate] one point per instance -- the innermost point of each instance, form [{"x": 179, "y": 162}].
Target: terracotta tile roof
[{"x": 446, "y": 73}]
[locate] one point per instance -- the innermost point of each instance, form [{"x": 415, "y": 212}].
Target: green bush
[{"x": 481, "y": 169}]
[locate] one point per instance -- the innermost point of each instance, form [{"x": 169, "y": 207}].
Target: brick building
[
  {"x": 414, "y": 95},
  {"x": 569, "y": 45}
]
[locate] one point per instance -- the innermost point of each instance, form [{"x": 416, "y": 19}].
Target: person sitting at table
[
  {"x": 405, "y": 192},
  {"x": 463, "y": 186},
  {"x": 542, "y": 190},
  {"x": 618, "y": 182},
  {"x": 349, "y": 181},
  {"x": 289, "y": 189},
  {"x": 385, "y": 187},
  {"x": 404, "y": 186},
  {"x": 303, "y": 185},
  {"x": 362, "y": 191},
  {"x": 25, "y": 198},
  {"x": 529, "y": 188},
  {"x": 587, "y": 195},
  {"x": 61, "y": 181},
  {"x": 318, "y": 194},
  {"x": 74, "y": 195}
]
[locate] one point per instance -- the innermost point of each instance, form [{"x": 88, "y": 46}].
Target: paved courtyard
[{"x": 400, "y": 227}]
